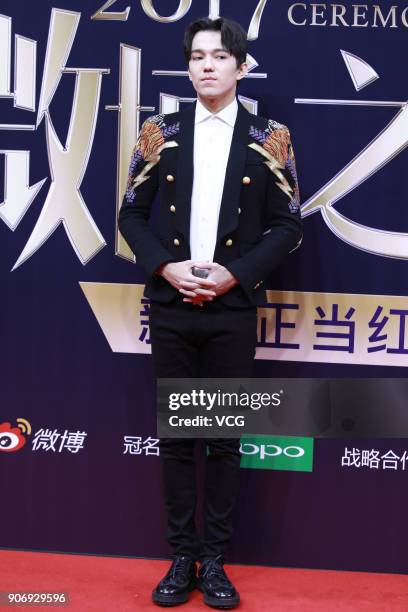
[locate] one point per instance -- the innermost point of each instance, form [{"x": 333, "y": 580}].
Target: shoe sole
[
  {"x": 214, "y": 602},
  {"x": 172, "y": 600},
  {"x": 168, "y": 603}
]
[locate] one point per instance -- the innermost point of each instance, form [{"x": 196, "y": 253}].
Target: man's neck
[{"x": 215, "y": 105}]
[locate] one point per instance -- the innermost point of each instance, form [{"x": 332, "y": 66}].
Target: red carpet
[{"x": 108, "y": 584}]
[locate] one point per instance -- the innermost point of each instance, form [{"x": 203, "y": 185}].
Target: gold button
[
  {"x": 246, "y": 180},
  {"x": 229, "y": 242},
  {"x": 239, "y": 211},
  {"x": 176, "y": 242},
  {"x": 173, "y": 208},
  {"x": 170, "y": 178}
]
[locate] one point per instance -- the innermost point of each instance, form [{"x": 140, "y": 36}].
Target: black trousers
[{"x": 213, "y": 341}]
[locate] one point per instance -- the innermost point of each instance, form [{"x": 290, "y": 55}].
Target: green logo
[{"x": 277, "y": 453}]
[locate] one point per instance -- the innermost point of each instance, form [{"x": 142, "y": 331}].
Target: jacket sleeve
[
  {"x": 141, "y": 189},
  {"x": 283, "y": 227}
]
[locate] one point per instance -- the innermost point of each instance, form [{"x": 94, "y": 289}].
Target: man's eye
[
  {"x": 221, "y": 56},
  {"x": 196, "y": 57}
]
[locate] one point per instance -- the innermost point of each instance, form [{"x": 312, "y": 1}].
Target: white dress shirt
[{"x": 212, "y": 143}]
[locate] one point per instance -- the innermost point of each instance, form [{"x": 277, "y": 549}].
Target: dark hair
[{"x": 233, "y": 36}]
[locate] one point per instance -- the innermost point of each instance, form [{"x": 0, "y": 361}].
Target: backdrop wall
[{"x": 79, "y": 465}]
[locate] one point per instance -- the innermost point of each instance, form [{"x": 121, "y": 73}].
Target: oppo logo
[{"x": 271, "y": 450}]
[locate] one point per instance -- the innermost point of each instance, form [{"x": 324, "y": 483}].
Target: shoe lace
[
  {"x": 179, "y": 567},
  {"x": 213, "y": 568}
]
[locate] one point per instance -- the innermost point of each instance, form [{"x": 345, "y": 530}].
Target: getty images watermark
[
  {"x": 226, "y": 408},
  {"x": 218, "y": 401},
  {"x": 221, "y": 399},
  {"x": 231, "y": 408}
]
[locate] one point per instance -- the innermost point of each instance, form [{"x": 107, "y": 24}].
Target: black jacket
[{"x": 259, "y": 222}]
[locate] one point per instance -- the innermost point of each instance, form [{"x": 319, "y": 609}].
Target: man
[{"x": 229, "y": 209}]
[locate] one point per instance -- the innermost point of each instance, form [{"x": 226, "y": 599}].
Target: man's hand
[
  {"x": 221, "y": 278},
  {"x": 179, "y": 275}
]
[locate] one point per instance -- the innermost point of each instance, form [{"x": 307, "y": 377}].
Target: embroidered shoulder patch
[
  {"x": 171, "y": 130},
  {"x": 257, "y": 134},
  {"x": 273, "y": 125},
  {"x": 275, "y": 141},
  {"x": 277, "y": 144},
  {"x": 157, "y": 119},
  {"x": 150, "y": 139}
]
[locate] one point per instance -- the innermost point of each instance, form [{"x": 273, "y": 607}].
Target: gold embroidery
[
  {"x": 277, "y": 144},
  {"x": 150, "y": 139},
  {"x": 275, "y": 167},
  {"x": 153, "y": 159}
]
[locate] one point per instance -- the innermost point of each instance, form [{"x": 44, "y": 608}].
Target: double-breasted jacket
[{"x": 259, "y": 221}]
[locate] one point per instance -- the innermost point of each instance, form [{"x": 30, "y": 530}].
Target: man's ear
[{"x": 242, "y": 70}]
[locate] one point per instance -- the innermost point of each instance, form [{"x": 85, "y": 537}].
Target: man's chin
[
  {"x": 209, "y": 88},
  {"x": 210, "y": 93}
]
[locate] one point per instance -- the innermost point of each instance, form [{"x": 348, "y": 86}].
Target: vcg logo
[{"x": 277, "y": 453}]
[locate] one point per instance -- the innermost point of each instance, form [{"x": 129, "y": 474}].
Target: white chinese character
[
  {"x": 370, "y": 458},
  {"x": 45, "y": 439},
  {"x": 390, "y": 461},
  {"x": 351, "y": 457},
  {"x": 133, "y": 445},
  {"x": 68, "y": 161},
  {"x": 72, "y": 440},
  {"x": 404, "y": 459},
  {"x": 151, "y": 446}
]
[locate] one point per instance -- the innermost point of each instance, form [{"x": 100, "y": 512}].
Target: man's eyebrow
[{"x": 212, "y": 51}]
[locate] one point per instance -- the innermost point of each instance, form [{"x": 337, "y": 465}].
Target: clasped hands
[{"x": 198, "y": 290}]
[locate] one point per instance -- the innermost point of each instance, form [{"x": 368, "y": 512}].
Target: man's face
[{"x": 213, "y": 70}]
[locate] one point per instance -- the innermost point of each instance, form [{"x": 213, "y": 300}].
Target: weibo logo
[
  {"x": 383, "y": 148},
  {"x": 12, "y": 438}
]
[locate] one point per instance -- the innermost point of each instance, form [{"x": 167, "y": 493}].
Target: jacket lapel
[
  {"x": 228, "y": 219},
  {"x": 185, "y": 171}
]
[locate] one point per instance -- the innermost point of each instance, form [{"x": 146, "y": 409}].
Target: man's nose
[{"x": 208, "y": 63}]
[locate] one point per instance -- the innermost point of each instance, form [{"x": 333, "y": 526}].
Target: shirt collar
[{"x": 228, "y": 114}]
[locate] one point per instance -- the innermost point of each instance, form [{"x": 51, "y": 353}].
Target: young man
[{"x": 229, "y": 208}]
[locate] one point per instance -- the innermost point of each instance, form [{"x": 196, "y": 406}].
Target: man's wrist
[
  {"x": 160, "y": 269},
  {"x": 233, "y": 279}
]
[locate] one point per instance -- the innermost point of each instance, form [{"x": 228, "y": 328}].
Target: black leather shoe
[
  {"x": 174, "y": 588},
  {"x": 213, "y": 582}
]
